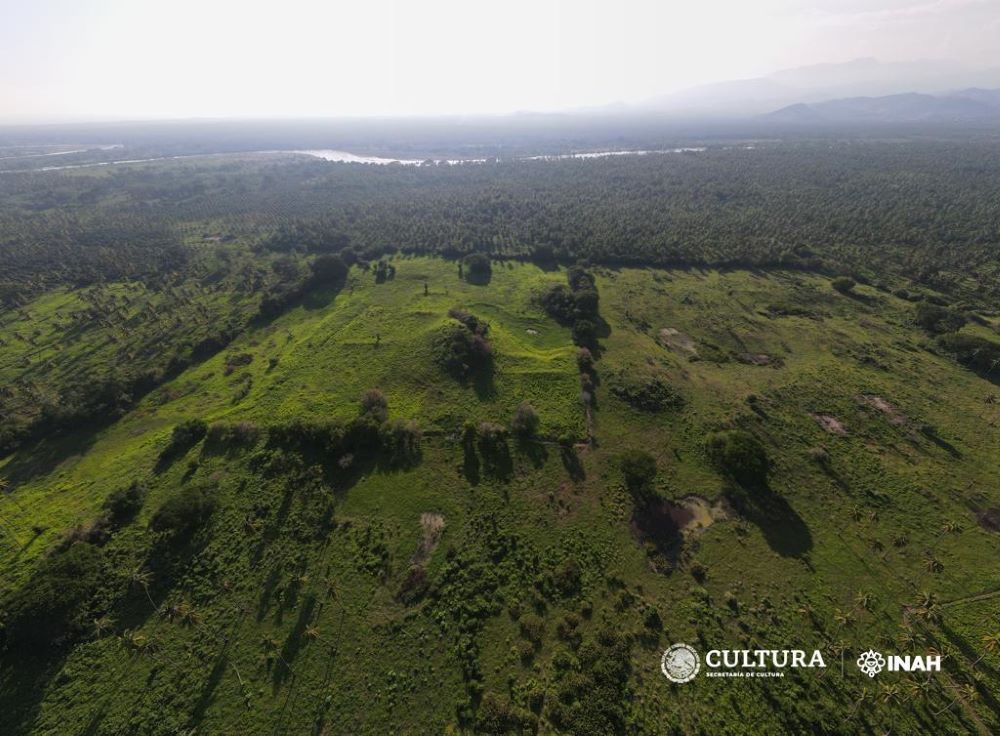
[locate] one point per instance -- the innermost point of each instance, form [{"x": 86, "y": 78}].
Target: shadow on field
[
  {"x": 784, "y": 530},
  {"x": 23, "y": 683}
]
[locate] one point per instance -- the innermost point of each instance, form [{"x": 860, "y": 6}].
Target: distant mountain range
[
  {"x": 861, "y": 78},
  {"x": 969, "y": 105}
]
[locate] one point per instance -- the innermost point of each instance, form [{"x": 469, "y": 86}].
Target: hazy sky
[{"x": 109, "y": 59}]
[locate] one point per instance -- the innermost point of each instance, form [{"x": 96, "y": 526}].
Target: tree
[
  {"x": 740, "y": 455},
  {"x": 328, "y": 269},
  {"x": 374, "y": 405},
  {"x": 525, "y": 421},
  {"x": 843, "y": 284}
]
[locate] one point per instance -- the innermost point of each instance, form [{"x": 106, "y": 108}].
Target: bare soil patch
[
  {"x": 893, "y": 414},
  {"x": 666, "y": 525},
  {"x": 433, "y": 526},
  {"x": 762, "y": 359},
  {"x": 830, "y": 423},
  {"x": 677, "y": 341}
]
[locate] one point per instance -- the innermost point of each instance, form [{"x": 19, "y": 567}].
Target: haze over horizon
[{"x": 115, "y": 60}]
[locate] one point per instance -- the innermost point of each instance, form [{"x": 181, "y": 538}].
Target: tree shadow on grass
[
  {"x": 784, "y": 530},
  {"x": 207, "y": 696},
  {"x": 24, "y": 681},
  {"x": 293, "y": 643},
  {"x": 533, "y": 450},
  {"x": 571, "y": 462}
]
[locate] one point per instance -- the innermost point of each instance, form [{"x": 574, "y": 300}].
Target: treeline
[{"x": 924, "y": 210}]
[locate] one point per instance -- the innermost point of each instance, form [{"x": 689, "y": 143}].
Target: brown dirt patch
[
  {"x": 893, "y": 414},
  {"x": 989, "y": 519},
  {"x": 762, "y": 359},
  {"x": 668, "y": 524},
  {"x": 433, "y": 526},
  {"x": 677, "y": 341},
  {"x": 830, "y": 423}
]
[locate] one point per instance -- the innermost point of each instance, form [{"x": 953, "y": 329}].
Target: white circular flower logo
[
  {"x": 680, "y": 663},
  {"x": 871, "y": 662}
]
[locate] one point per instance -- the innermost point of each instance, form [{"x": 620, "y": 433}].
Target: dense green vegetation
[{"x": 367, "y": 450}]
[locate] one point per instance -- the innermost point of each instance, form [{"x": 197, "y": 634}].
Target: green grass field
[{"x": 286, "y": 614}]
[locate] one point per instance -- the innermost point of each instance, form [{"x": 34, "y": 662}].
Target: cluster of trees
[
  {"x": 370, "y": 437},
  {"x": 575, "y": 303},
  {"x": 464, "y": 349}
]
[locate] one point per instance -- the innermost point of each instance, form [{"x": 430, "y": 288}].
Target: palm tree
[
  {"x": 991, "y": 645},
  {"x": 864, "y": 600},
  {"x": 951, "y": 527},
  {"x": 927, "y": 607},
  {"x": 102, "y": 624},
  {"x": 863, "y": 696},
  {"x": 272, "y": 651},
  {"x": 843, "y": 618},
  {"x": 932, "y": 563},
  {"x": 142, "y": 578},
  {"x": 889, "y": 693}
]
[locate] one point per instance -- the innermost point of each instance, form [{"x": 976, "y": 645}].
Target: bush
[
  {"x": 975, "y": 353},
  {"x": 559, "y": 303},
  {"x": 584, "y": 333},
  {"x": 52, "y": 605},
  {"x": 938, "y": 320},
  {"x": 462, "y": 353},
  {"x": 231, "y": 434},
  {"x": 525, "y": 421},
  {"x": 185, "y": 436},
  {"x": 652, "y": 395},
  {"x": 740, "y": 455},
  {"x": 585, "y": 360},
  {"x": 639, "y": 471},
  {"x": 184, "y": 513},
  {"x": 843, "y": 284},
  {"x": 122, "y": 505},
  {"x": 472, "y": 323},
  {"x": 374, "y": 405},
  {"x": 400, "y": 439}
]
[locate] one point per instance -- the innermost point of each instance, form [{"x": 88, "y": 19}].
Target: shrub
[
  {"x": 639, "y": 471},
  {"x": 122, "y": 505},
  {"x": 374, "y": 405},
  {"x": 738, "y": 454},
  {"x": 938, "y": 320},
  {"x": 462, "y": 353},
  {"x": 231, "y": 434},
  {"x": 532, "y": 627},
  {"x": 559, "y": 303},
  {"x": 843, "y": 284},
  {"x": 184, "y": 436},
  {"x": 579, "y": 278},
  {"x": 525, "y": 421},
  {"x": 584, "y": 333},
  {"x": 975, "y": 353},
  {"x": 184, "y": 513},
  {"x": 585, "y": 360},
  {"x": 652, "y": 395},
  {"x": 52, "y": 605},
  {"x": 400, "y": 439},
  {"x": 472, "y": 323}
]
